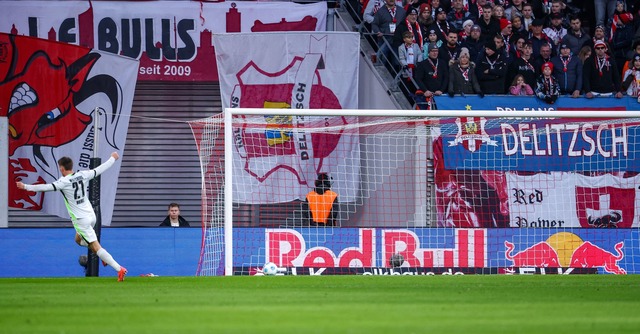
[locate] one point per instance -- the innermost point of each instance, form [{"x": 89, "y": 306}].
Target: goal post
[{"x": 468, "y": 191}]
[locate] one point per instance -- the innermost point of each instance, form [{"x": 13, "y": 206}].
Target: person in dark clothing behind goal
[
  {"x": 174, "y": 219},
  {"x": 321, "y": 205}
]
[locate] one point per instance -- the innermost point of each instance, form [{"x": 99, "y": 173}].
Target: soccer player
[{"x": 74, "y": 189}]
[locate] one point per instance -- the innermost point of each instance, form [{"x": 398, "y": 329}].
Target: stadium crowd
[{"x": 546, "y": 48}]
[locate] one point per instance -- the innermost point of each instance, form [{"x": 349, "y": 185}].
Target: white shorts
[{"x": 84, "y": 227}]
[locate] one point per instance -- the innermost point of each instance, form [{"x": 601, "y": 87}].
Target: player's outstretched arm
[
  {"x": 106, "y": 165},
  {"x": 35, "y": 187}
]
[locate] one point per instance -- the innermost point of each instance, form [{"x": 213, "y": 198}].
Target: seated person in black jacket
[{"x": 174, "y": 219}]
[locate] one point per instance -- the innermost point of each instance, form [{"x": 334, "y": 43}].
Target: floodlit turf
[{"x": 323, "y": 304}]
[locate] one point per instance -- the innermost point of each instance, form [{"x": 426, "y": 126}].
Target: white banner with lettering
[
  {"x": 560, "y": 199},
  {"x": 172, "y": 39},
  {"x": 292, "y": 70}
]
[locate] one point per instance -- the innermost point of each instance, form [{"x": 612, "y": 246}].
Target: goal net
[{"x": 418, "y": 192}]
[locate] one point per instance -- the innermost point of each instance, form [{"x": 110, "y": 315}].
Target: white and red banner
[
  {"x": 573, "y": 200},
  {"x": 317, "y": 70},
  {"x": 172, "y": 39},
  {"x": 52, "y": 93}
]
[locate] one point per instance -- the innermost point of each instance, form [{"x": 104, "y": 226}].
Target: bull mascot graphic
[{"x": 42, "y": 85}]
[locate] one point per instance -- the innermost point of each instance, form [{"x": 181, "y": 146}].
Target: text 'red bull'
[{"x": 287, "y": 248}]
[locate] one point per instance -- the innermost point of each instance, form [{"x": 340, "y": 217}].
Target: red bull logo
[
  {"x": 566, "y": 249},
  {"x": 288, "y": 248}
]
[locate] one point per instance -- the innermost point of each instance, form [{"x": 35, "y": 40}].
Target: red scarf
[
  {"x": 410, "y": 28},
  {"x": 465, "y": 73},
  {"x": 393, "y": 13},
  {"x": 602, "y": 64},
  {"x": 565, "y": 62}
]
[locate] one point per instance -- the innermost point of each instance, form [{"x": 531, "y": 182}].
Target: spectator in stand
[
  {"x": 431, "y": 38},
  {"x": 451, "y": 50},
  {"x": 630, "y": 56},
  {"x": 541, "y": 8},
  {"x": 505, "y": 33},
  {"x": 462, "y": 76},
  {"x": 458, "y": 15},
  {"x": 621, "y": 33},
  {"x": 555, "y": 31},
  {"x": 384, "y": 25},
  {"x": 492, "y": 70},
  {"x": 441, "y": 26},
  {"x": 517, "y": 28},
  {"x": 435, "y": 4},
  {"x": 425, "y": 20},
  {"x": 446, "y": 5},
  {"x": 498, "y": 12},
  {"x": 584, "y": 54},
  {"x": 410, "y": 24},
  {"x": 576, "y": 37},
  {"x": 631, "y": 81},
  {"x": 599, "y": 34},
  {"x": 500, "y": 48},
  {"x": 544, "y": 56},
  {"x": 410, "y": 54},
  {"x": 371, "y": 9},
  {"x": 474, "y": 44},
  {"x": 466, "y": 31},
  {"x": 547, "y": 88},
  {"x": 519, "y": 87},
  {"x": 524, "y": 66},
  {"x": 557, "y": 8},
  {"x": 431, "y": 74},
  {"x": 601, "y": 76},
  {"x": 567, "y": 69},
  {"x": 477, "y": 8},
  {"x": 174, "y": 219},
  {"x": 518, "y": 45},
  {"x": 527, "y": 17},
  {"x": 603, "y": 10},
  {"x": 537, "y": 37},
  {"x": 489, "y": 25},
  {"x": 514, "y": 9}
]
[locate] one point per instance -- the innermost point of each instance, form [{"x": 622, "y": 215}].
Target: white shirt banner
[{"x": 291, "y": 70}]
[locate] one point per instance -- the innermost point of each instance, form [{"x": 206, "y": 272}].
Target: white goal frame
[{"x": 228, "y": 142}]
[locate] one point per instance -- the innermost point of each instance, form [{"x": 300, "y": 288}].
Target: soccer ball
[
  {"x": 270, "y": 269},
  {"x": 396, "y": 260}
]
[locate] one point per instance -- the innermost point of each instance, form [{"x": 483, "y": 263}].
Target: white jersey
[{"x": 75, "y": 190}]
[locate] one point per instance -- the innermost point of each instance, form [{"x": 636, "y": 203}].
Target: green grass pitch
[{"x": 323, "y": 304}]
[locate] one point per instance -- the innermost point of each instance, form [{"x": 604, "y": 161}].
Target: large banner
[
  {"x": 543, "y": 145},
  {"x": 573, "y": 200},
  {"x": 52, "y": 93},
  {"x": 429, "y": 251},
  {"x": 535, "y": 172},
  {"x": 172, "y": 39},
  {"x": 318, "y": 70}
]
